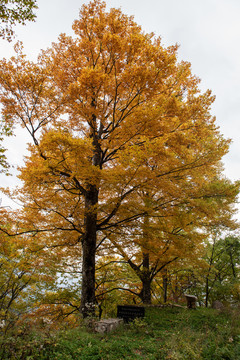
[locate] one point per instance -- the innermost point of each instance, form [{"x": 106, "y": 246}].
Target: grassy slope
[{"x": 168, "y": 333}]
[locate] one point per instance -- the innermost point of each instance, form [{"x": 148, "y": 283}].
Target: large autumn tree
[{"x": 111, "y": 113}]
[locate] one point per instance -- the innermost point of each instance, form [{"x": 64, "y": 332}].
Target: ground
[{"x": 164, "y": 333}]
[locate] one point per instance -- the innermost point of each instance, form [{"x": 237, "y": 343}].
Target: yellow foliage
[{"x": 116, "y": 121}]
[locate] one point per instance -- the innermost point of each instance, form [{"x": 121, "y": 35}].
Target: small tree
[
  {"x": 24, "y": 277},
  {"x": 222, "y": 276}
]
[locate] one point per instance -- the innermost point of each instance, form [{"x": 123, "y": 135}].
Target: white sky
[{"x": 208, "y": 32}]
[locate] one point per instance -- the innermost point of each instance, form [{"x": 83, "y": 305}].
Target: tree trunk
[
  {"x": 165, "y": 285},
  {"x": 232, "y": 264},
  {"x": 88, "y": 300},
  {"x": 206, "y": 292},
  {"x": 146, "y": 291},
  {"x": 146, "y": 273},
  {"x": 207, "y": 289},
  {"x": 146, "y": 280}
]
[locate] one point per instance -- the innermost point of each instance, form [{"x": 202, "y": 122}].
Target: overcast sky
[{"x": 208, "y": 32}]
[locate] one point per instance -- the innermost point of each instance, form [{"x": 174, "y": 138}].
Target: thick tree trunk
[
  {"x": 88, "y": 300},
  {"x": 146, "y": 280},
  {"x": 88, "y": 252},
  {"x": 146, "y": 291},
  {"x": 146, "y": 272}
]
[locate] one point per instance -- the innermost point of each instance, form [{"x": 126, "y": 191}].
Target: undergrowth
[{"x": 164, "y": 333}]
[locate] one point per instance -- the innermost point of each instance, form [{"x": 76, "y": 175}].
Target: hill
[{"x": 164, "y": 333}]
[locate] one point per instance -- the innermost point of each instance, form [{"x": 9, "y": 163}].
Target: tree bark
[
  {"x": 232, "y": 263},
  {"x": 146, "y": 280},
  {"x": 206, "y": 292},
  {"x": 88, "y": 252},
  {"x": 88, "y": 300},
  {"x": 165, "y": 285},
  {"x": 207, "y": 289}
]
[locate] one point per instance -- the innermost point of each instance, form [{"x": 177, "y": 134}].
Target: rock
[
  {"x": 217, "y": 305},
  {"x": 191, "y": 301},
  {"x": 107, "y": 325}
]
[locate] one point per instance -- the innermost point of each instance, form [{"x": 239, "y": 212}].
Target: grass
[{"x": 164, "y": 333}]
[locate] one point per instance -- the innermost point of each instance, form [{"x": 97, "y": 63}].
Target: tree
[
  {"x": 175, "y": 232},
  {"x": 13, "y": 12},
  {"x": 24, "y": 277},
  {"x": 222, "y": 273},
  {"x": 111, "y": 113},
  {"x": 214, "y": 275}
]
